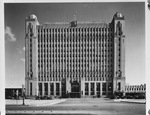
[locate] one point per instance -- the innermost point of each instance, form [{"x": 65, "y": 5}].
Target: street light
[{"x": 23, "y": 93}]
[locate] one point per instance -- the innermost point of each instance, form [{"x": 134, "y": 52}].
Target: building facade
[{"x": 76, "y": 59}]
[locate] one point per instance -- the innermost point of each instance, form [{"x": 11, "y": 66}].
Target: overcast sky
[{"x": 15, "y": 15}]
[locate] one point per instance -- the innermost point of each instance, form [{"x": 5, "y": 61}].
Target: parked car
[
  {"x": 139, "y": 97},
  {"x": 8, "y": 97},
  {"x": 129, "y": 97},
  {"x": 44, "y": 97}
]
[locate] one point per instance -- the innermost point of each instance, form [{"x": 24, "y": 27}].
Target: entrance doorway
[{"x": 75, "y": 89}]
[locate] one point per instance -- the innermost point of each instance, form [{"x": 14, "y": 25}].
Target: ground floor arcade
[{"x": 73, "y": 89}]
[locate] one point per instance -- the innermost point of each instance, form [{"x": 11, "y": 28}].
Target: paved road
[{"x": 81, "y": 107}]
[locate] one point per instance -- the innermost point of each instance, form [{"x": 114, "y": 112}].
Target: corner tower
[
  {"x": 31, "y": 67},
  {"x": 118, "y": 24}
]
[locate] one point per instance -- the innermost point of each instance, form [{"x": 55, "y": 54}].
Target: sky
[{"x": 15, "y": 14}]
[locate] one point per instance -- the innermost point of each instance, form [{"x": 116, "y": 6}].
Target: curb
[
  {"x": 51, "y": 112},
  {"x": 38, "y": 103},
  {"x": 132, "y": 101}
]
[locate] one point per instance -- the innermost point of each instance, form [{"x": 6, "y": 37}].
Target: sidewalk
[
  {"x": 31, "y": 102},
  {"x": 71, "y": 112},
  {"x": 140, "y": 101}
]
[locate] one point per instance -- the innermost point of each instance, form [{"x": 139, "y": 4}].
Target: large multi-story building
[{"x": 76, "y": 59}]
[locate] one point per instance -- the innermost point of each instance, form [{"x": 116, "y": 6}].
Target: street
[{"x": 80, "y": 106}]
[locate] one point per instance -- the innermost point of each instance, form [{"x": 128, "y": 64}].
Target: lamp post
[
  {"x": 23, "y": 93},
  {"x": 17, "y": 96}
]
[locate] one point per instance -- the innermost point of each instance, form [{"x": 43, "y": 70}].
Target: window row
[
  {"x": 80, "y": 70},
  {"x": 97, "y": 35},
  {"x": 49, "y": 65},
  {"x": 77, "y": 78},
  {"x": 79, "y": 51},
  {"x": 73, "y": 45},
  {"x": 75, "y": 54},
  {"x": 75, "y": 39},
  {"x": 75, "y": 29},
  {"x": 73, "y": 61}
]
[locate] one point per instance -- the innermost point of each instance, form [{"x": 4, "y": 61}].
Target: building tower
[
  {"x": 119, "y": 54},
  {"x": 31, "y": 53}
]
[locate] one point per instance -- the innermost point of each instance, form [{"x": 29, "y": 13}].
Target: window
[
  {"x": 40, "y": 89},
  {"x": 86, "y": 88},
  {"x": 57, "y": 88},
  {"x": 92, "y": 88},
  {"x": 110, "y": 87},
  {"x": 119, "y": 86},
  {"x": 98, "y": 87},
  {"x": 46, "y": 88},
  {"x": 52, "y": 88},
  {"x": 30, "y": 88},
  {"x": 104, "y": 87}
]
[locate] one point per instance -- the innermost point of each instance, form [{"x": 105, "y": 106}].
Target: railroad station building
[{"x": 74, "y": 59}]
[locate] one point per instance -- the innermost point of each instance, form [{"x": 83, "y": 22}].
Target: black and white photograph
[{"x": 75, "y": 58}]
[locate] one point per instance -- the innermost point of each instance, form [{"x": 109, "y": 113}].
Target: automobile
[
  {"x": 44, "y": 97},
  {"x": 129, "y": 97},
  {"x": 37, "y": 97},
  {"x": 94, "y": 96},
  {"x": 50, "y": 97},
  {"x": 8, "y": 97},
  {"x": 139, "y": 97},
  {"x": 118, "y": 96},
  {"x": 123, "y": 97}
]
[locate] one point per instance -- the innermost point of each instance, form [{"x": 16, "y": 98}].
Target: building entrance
[{"x": 75, "y": 89}]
